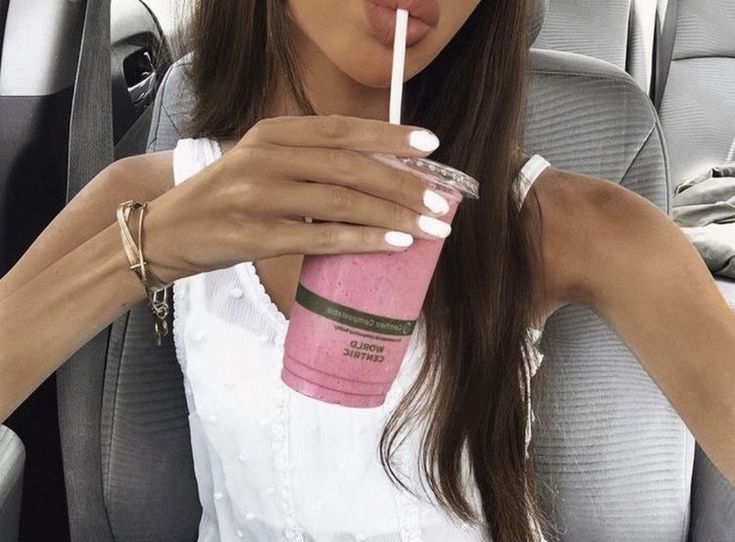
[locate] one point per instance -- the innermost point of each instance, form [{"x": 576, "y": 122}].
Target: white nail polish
[
  {"x": 399, "y": 239},
  {"x": 435, "y": 202},
  {"x": 423, "y": 141},
  {"x": 434, "y": 227}
]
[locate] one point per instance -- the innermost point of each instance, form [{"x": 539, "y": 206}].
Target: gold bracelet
[
  {"x": 157, "y": 293},
  {"x": 134, "y": 253},
  {"x": 155, "y": 284},
  {"x": 159, "y": 298}
]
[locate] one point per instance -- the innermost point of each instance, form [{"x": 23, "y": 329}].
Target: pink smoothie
[{"x": 354, "y": 315}]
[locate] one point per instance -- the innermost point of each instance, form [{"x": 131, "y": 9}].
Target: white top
[{"x": 270, "y": 463}]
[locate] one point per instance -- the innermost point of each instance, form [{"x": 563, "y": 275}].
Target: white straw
[{"x": 399, "y": 66}]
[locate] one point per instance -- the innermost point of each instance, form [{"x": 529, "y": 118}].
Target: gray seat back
[
  {"x": 618, "y": 31},
  {"x": 698, "y": 106},
  {"x": 698, "y": 116},
  {"x": 614, "y": 458},
  {"x": 12, "y": 461}
]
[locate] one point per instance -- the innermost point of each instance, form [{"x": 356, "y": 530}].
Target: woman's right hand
[{"x": 251, "y": 203}]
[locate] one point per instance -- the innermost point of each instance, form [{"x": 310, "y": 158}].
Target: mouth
[{"x": 381, "y": 19}]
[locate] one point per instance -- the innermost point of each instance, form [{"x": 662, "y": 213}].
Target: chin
[
  {"x": 369, "y": 74},
  {"x": 373, "y": 67}
]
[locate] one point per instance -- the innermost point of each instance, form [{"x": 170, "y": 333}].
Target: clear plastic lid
[{"x": 440, "y": 173}]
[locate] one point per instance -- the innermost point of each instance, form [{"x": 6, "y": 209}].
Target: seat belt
[
  {"x": 79, "y": 380},
  {"x": 665, "y": 51}
]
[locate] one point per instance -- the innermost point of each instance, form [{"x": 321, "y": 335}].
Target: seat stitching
[
  {"x": 636, "y": 156},
  {"x": 157, "y": 123},
  {"x": 171, "y": 120},
  {"x": 667, "y": 189},
  {"x": 705, "y": 57},
  {"x": 114, "y": 404},
  {"x": 626, "y": 82}
]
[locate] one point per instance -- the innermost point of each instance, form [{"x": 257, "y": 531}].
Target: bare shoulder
[
  {"x": 587, "y": 226},
  {"x": 149, "y": 174}
]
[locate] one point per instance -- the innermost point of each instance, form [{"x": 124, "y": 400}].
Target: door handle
[
  {"x": 141, "y": 91},
  {"x": 140, "y": 75}
]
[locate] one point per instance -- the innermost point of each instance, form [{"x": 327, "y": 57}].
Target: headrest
[{"x": 536, "y": 16}]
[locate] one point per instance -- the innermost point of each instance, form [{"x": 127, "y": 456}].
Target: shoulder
[
  {"x": 590, "y": 228},
  {"x": 156, "y": 172},
  {"x": 148, "y": 175},
  {"x": 141, "y": 177}
]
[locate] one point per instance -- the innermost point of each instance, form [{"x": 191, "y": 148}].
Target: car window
[{"x": 165, "y": 12}]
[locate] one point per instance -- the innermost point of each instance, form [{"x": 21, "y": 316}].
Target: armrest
[
  {"x": 727, "y": 287},
  {"x": 713, "y": 497},
  {"x": 713, "y": 502},
  {"x": 12, "y": 461}
]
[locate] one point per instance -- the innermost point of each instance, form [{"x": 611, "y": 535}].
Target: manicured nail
[
  {"x": 399, "y": 239},
  {"x": 434, "y": 227},
  {"x": 435, "y": 203},
  {"x": 423, "y": 141}
]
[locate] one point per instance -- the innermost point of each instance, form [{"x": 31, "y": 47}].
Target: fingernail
[
  {"x": 435, "y": 202},
  {"x": 399, "y": 239},
  {"x": 434, "y": 227},
  {"x": 423, "y": 141}
]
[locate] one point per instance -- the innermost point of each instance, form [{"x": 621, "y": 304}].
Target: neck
[{"x": 330, "y": 90}]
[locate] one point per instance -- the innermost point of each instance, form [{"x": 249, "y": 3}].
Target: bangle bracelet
[
  {"x": 156, "y": 283},
  {"x": 157, "y": 293},
  {"x": 135, "y": 254}
]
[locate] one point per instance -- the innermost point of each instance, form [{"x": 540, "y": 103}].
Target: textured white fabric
[{"x": 272, "y": 464}]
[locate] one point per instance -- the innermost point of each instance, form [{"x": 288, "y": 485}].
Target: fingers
[
  {"x": 335, "y": 203},
  {"x": 321, "y": 167},
  {"x": 333, "y": 238},
  {"x": 341, "y": 132},
  {"x": 357, "y": 171}
]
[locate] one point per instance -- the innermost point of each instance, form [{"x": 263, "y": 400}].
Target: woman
[{"x": 294, "y": 91}]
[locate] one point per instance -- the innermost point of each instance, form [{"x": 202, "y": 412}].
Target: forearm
[
  {"x": 691, "y": 356},
  {"x": 55, "y": 313}
]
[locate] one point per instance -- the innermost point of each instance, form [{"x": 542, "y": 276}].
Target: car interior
[{"x": 101, "y": 451}]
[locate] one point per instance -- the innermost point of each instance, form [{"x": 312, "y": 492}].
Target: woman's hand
[{"x": 251, "y": 203}]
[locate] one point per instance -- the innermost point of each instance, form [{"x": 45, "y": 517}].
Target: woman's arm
[
  {"x": 56, "y": 312},
  {"x": 142, "y": 177},
  {"x": 640, "y": 273},
  {"x": 74, "y": 280}
]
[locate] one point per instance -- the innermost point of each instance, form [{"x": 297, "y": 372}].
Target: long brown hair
[{"x": 471, "y": 390}]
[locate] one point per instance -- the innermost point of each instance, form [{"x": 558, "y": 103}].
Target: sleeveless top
[{"x": 270, "y": 463}]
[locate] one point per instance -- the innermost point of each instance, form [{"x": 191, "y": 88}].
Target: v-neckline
[{"x": 248, "y": 274}]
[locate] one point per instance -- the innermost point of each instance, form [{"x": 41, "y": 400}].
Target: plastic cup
[{"x": 354, "y": 314}]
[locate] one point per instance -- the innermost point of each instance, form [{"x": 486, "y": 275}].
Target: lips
[{"x": 381, "y": 18}]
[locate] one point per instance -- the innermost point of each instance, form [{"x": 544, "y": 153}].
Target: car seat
[
  {"x": 697, "y": 111},
  {"x": 618, "y": 31},
  {"x": 12, "y": 460},
  {"x": 615, "y": 460},
  {"x": 698, "y": 106}
]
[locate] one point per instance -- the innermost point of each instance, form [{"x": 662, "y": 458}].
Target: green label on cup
[{"x": 351, "y": 317}]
